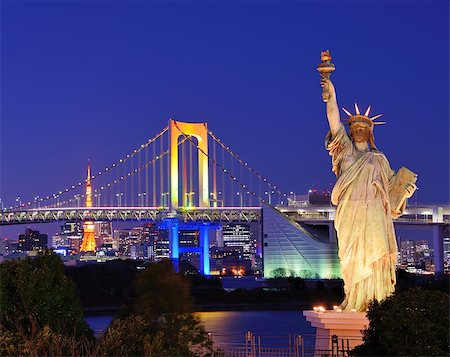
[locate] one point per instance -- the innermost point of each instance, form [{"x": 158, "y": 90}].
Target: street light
[
  {"x": 78, "y": 198},
  {"x": 119, "y": 199},
  {"x": 141, "y": 201},
  {"x": 37, "y": 202},
  {"x": 98, "y": 199},
  {"x": 165, "y": 202},
  {"x": 213, "y": 199},
  {"x": 189, "y": 199},
  {"x": 18, "y": 201},
  {"x": 270, "y": 196},
  {"x": 242, "y": 198}
]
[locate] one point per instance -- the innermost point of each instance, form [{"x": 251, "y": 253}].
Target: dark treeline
[{"x": 110, "y": 284}]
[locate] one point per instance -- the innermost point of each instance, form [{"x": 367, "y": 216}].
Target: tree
[
  {"x": 162, "y": 307},
  {"x": 129, "y": 337},
  {"x": 413, "y": 323},
  {"x": 37, "y": 300}
]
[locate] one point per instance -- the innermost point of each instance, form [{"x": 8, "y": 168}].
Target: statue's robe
[{"x": 366, "y": 236}]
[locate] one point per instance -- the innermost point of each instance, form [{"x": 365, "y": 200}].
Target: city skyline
[{"x": 93, "y": 81}]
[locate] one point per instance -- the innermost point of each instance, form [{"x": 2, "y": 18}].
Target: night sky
[{"x": 94, "y": 80}]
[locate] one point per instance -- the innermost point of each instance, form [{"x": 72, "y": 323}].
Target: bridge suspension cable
[
  {"x": 128, "y": 175},
  {"x": 224, "y": 170},
  {"x": 121, "y": 185},
  {"x": 246, "y": 165},
  {"x": 73, "y": 187}
]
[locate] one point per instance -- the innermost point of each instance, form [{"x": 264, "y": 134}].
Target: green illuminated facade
[{"x": 289, "y": 250}]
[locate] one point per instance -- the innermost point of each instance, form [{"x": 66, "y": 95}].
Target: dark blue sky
[{"x": 95, "y": 80}]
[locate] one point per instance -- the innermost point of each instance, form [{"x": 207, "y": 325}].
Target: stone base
[{"x": 347, "y": 326}]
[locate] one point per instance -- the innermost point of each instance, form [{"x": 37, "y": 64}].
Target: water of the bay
[{"x": 231, "y": 326}]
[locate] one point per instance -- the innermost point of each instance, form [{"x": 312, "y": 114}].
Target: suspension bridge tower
[
  {"x": 189, "y": 131},
  {"x": 88, "y": 244}
]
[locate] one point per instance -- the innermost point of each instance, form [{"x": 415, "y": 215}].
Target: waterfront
[{"x": 231, "y": 326}]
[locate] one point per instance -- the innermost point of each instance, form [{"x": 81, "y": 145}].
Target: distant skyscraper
[
  {"x": 239, "y": 235},
  {"x": 447, "y": 253},
  {"x": 89, "y": 243},
  {"x": 70, "y": 236},
  {"x": 8, "y": 246},
  {"x": 32, "y": 240},
  {"x": 415, "y": 253},
  {"x": 103, "y": 232}
]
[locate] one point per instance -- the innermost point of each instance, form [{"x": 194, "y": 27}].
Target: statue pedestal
[{"x": 347, "y": 326}]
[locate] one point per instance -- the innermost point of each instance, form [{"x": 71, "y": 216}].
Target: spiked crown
[{"x": 360, "y": 118}]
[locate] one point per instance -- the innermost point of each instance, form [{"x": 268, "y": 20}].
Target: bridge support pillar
[
  {"x": 174, "y": 242},
  {"x": 204, "y": 245}
]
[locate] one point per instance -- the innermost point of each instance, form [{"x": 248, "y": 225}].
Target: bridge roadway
[
  {"x": 412, "y": 215},
  {"x": 48, "y": 215},
  {"x": 306, "y": 213}
]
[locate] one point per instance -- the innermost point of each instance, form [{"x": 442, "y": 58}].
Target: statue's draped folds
[{"x": 366, "y": 237}]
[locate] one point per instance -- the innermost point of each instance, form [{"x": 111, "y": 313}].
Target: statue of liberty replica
[{"x": 368, "y": 195}]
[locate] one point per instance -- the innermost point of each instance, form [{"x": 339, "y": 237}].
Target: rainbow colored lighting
[{"x": 200, "y": 132}]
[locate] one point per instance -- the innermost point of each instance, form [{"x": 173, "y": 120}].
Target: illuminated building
[
  {"x": 161, "y": 246},
  {"x": 8, "y": 246},
  {"x": 60, "y": 240},
  {"x": 239, "y": 235},
  {"x": 141, "y": 251},
  {"x": 103, "y": 233},
  {"x": 88, "y": 244},
  {"x": 291, "y": 248},
  {"x": 128, "y": 238},
  {"x": 32, "y": 240},
  {"x": 446, "y": 251},
  {"x": 416, "y": 253},
  {"x": 190, "y": 238},
  {"x": 229, "y": 261},
  {"x": 70, "y": 236}
]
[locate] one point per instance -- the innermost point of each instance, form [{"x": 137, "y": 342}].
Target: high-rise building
[
  {"x": 416, "y": 253},
  {"x": 8, "y": 246},
  {"x": 239, "y": 235},
  {"x": 190, "y": 238},
  {"x": 128, "y": 238},
  {"x": 446, "y": 254},
  {"x": 103, "y": 232},
  {"x": 141, "y": 251},
  {"x": 70, "y": 236},
  {"x": 161, "y": 246},
  {"x": 32, "y": 240}
]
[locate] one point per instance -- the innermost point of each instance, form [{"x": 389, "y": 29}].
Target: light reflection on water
[
  {"x": 99, "y": 323},
  {"x": 231, "y": 326},
  {"x": 274, "y": 326}
]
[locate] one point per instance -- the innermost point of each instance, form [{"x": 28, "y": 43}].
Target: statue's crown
[{"x": 360, "y": 118}]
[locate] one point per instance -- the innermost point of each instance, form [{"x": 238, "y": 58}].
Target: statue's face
[{"x": 360, "y": 132}]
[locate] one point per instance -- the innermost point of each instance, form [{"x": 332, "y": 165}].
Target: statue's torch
[{"x": 325, "y": 68}]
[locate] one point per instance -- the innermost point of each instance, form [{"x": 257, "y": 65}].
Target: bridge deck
[{"x": 46, "y": 215}]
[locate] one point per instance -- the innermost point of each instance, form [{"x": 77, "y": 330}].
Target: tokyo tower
[{"x": 88, "y": 244}]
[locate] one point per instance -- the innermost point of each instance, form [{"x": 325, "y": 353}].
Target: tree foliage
[
  {"x": 413, "y": 323},
  {"x": 38, "y": 304},
  {"x": 160, "y": 316}
]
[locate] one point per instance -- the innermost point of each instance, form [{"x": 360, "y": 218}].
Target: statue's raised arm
[
  {"x": 329, "y": 97},
  {"x": 325, "y": 69}
]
